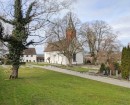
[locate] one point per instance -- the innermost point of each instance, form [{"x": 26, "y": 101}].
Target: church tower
[{"x": 70, "y": 30}]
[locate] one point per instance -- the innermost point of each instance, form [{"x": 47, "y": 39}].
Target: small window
[
  {"x": 33, "y": 60},
  {"x": 26, "y": 55},
  {"x": 26, "y": 60},
  {"x": 31, "y": 55},
  {"x": 74, "y": 57}
]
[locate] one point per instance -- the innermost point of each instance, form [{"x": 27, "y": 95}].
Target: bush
[
  {"x": 102, "y": 68},
  {"x": 7, "y": 62},
  {"x": 107, "y": 70},
  {"x": 22, "y": 63},
  {"x": 116, "y": 66}
]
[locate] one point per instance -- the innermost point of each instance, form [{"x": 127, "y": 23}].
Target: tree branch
[
  {"x": 6, "y": 21},
  {"x": 28, "y": 17}
]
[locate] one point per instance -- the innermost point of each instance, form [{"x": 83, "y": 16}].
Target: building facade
[{"x": 29, "y": 55}]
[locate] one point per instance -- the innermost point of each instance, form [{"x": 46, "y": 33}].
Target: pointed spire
[
  {"x": 70, "y": 30},
  {"x": 70, "y": 22}
]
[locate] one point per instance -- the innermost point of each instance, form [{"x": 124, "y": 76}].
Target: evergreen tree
[{"x": 125, "y": 62}]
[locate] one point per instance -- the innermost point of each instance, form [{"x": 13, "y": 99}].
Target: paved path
[{"x": 122, "y": 83}]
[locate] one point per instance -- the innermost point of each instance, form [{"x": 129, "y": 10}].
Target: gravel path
[{"x": 117, "y": 82}]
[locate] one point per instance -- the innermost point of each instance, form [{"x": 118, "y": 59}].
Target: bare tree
[
  {"x": 101, "y": 29},
  {"x": 111, "y": 47},
  {"x": 89, "y": 37},
  {"x": 64, "y": 38},
  {"x": 26, "y": 17},
  {"x": 99, "y": 38}
]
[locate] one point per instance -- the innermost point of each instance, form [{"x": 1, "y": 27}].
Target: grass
[
  {"x": 41, "y": 87},
  {"x": 39, "y": 63},
  {"x": 73, "y": 68}
]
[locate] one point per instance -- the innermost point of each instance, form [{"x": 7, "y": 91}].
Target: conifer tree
[{"x": 125, "y": 62}]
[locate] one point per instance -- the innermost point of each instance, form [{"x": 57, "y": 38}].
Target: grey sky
[{"x": 115, "y": 12}]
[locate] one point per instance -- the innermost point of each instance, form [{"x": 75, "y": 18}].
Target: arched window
[{"x": 74, "y": 57}]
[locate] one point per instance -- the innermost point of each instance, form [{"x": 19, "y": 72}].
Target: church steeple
[
  {"x": 70, "y": 30},
  {"x": 70, "y": 23}
]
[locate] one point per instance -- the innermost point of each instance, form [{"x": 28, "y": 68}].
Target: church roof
[
  {"x": 56, "y": 46},
  {"x": 62, "y": 45},
  {"x": 30, "y": 51}
]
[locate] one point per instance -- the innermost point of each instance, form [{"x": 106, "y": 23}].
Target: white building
[
  {"x": 52, "y": 53},
  {"x": 57, "y": 58},
  {"x": 29, "y": 55}
]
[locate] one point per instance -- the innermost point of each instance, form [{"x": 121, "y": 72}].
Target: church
[{"x": 54, "y": 54}]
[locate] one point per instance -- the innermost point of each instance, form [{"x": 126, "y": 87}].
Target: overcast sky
[{"x": 115, "y": 12}]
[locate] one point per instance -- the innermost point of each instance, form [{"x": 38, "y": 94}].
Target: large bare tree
[
  {"x": 59, "y": 30},
  {"x": 99, "y": 37},
  {"x": 89, "y": 37},
  {"x": 26, "y": 17},
  {"x": 111, "y": 47}
]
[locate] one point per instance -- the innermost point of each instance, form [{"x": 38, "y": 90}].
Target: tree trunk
[
  {"x": 14, "y": 74},
  {"x": 70, "y": 62}
]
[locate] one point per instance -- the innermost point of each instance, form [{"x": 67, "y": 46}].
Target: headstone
[
  {"x": 110, "y": 72},
  {"x": 117, "y": 73},
  {"x": 103, "y": 72},
  {"x": 129, "y": 77}
]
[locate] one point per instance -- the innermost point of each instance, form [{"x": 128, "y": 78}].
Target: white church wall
[
  {"x": 57, "y": 58},
  {"x": 79, "y": 58}
]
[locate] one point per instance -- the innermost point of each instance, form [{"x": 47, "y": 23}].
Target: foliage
[
  {"x": 102, "y": 68},
  {"x": 107, "y": 70},
  {"x": 7, "y": 62},
  {"x": 125, "y": 62},
  {"x": 116, "y": 65},
  {"x": 22, "y": 63}
]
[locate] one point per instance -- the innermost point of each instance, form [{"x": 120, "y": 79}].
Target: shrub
[
  {"x": 22, "y": 63},
  {"x": 102, "y": 68},
  {"x": 107, "y": 70},
  {"x": 116, "y": 66},
  {"x": 7, "y": 62}
]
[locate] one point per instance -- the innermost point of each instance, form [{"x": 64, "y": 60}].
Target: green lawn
[
  {"x": 41, "y": 87},
  {"x": 39, "y": 63},
  {"x": 73, "y": 68}
]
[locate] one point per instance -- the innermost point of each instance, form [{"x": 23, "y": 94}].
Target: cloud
[
  {"x": 114, "y": 12},
  {"x": 123, "y": 26},
  {"x": 101, "y": 9}
]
